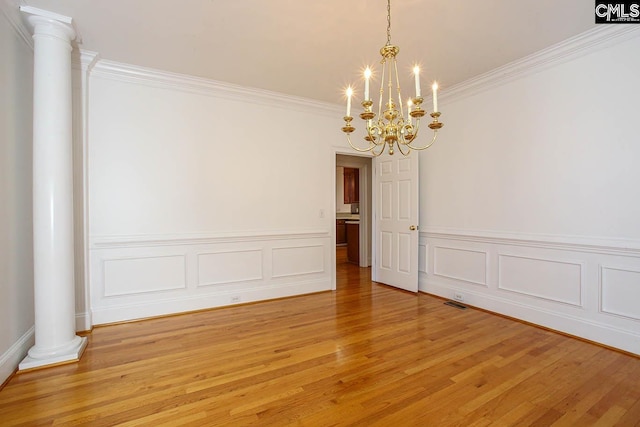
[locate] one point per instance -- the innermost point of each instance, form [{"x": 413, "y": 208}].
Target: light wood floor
[{"x": 365, "y": 355}]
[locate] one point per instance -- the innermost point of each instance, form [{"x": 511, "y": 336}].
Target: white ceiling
[{"x": 314, "y": 48}]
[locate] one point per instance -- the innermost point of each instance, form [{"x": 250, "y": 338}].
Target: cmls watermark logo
[{"x": 621, "y": 12}]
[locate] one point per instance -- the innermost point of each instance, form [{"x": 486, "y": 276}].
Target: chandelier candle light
[{"x": 391, "y": 128}]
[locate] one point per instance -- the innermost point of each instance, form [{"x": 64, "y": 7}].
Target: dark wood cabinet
[
  {"x": 353, "y": 242},
  {"x": 351, "y": 185},
  {"x": 341, "y": 232}
]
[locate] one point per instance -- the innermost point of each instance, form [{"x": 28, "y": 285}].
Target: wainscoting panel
[
  {"x": 126, "y": 276},
  {"x": 586, "y": 288},
  {"x": 229, "y": 267},
  {"x": 423, "y": 252},
  {"x": 137, "y": 277},
  {"x": 553, "y": 280},
  {"x": 460, "y": 264},
  {"x": 620, "y": 291},
  {"x": 298, "y": 260}
]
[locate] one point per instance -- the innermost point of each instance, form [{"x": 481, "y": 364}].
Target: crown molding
[
  {"x": 201, "y": 86},
  {"x": 11, "y": 10},
  {"x": 583, "y": 44},
  {"x": 84, "y": 60}
]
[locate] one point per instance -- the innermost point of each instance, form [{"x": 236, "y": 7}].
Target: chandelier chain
[{"x": 388, "y": 22}]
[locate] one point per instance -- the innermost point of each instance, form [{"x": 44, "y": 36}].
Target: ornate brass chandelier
[{"x": 391, "y": 127}]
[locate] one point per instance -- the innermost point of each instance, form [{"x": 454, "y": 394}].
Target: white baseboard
[
  {"x": 154, "y": 308},
  {"x": 626, "y": 340},
  {"x": 11, "y": 358},
  {"x": 137, "y": 277},
  {"x": 83, "y": 322},
  {"x": 581, "y": 286}
]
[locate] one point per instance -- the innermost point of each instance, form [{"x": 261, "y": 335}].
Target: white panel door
[{"x": 395, "y": 203}]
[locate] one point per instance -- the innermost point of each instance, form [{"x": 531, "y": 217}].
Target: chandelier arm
[
  {"x": 435, "y": 136},
  {"x": 408, "y": 129},
  {"x": 380, "y": 152},
  {"x": 404, "y": 153},
  {"x": 373, "y": 140},
  {"x": 362, "y": 150},
  {"x": 413, "y": 130}
]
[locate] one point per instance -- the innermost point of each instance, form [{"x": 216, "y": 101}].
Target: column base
[{"x": 69, "y": 355}]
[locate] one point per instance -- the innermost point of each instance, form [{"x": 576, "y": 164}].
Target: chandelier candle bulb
[
  {"x": 435, "y": 96},
  {"x": 349, "y": 94},
  {"x": 416, "y": 73},
  {"x": 367, "y": 77}
]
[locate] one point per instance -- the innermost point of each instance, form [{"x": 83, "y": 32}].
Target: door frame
[{"x": 366, "y": 226}]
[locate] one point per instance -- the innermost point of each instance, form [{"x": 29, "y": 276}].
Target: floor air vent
[{"x": 456, "y": 305}]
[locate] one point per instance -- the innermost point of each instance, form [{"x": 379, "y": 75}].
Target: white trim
[
  {"x": 201, "y": 86},
  {"x": 583, "y": 44},
  {"x": 52, "y": 16},
  {"x": 602, "y": 284},
  {"x": 202, "y": 284},
  {"x": 183, "y": 304},
  {"x": 581, "y": 286},
  {"x": 182, "y": 286},
  {"x": 83, "y": 320},
  {"x": 297, "y": 273},
  {"x": 473, "y": 282},
  {"x": 624, "y": 339},
  {"x": 628, "y": 247},
  {"x": 586, "y": 320},
  {"x": 84, "y": 63},
  {"x": 126, "y": 241},
  {"x": 11, "y": 358}
]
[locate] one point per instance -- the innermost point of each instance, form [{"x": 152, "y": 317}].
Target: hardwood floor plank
[{"x": 363, "y": 355}]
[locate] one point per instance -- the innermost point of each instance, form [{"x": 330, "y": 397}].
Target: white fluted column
[{"x": 54, "y": 292}]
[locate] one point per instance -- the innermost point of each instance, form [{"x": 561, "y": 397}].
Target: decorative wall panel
[
  {"x": 125, "y": 276},
  {"x": 554, "y": 280},
  {"x": 229, "y": 267},
  {"x": 580, "y": 287},
  {"x": 298, "y": 260},
  {"x": 135, "y": 277},
  {"x": 460, "y": 264},
  {"x": 620, "y": 291}
]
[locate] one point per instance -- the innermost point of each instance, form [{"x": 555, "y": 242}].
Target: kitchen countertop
[{"x": 347, "y": 216}]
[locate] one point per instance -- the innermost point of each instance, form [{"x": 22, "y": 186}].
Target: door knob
[{"x": 413, "y": 227}]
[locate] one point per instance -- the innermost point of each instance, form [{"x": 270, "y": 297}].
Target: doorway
[{"x": 350, "y": 217}]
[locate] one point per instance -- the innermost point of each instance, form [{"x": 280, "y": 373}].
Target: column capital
[{"x": 43, "y": 22}]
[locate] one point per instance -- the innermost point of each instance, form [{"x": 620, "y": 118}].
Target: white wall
[
  {"x": 529, "y": 199},
  {"x": 203, "y": 194},
  {"x": 16, "y": 258}
]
